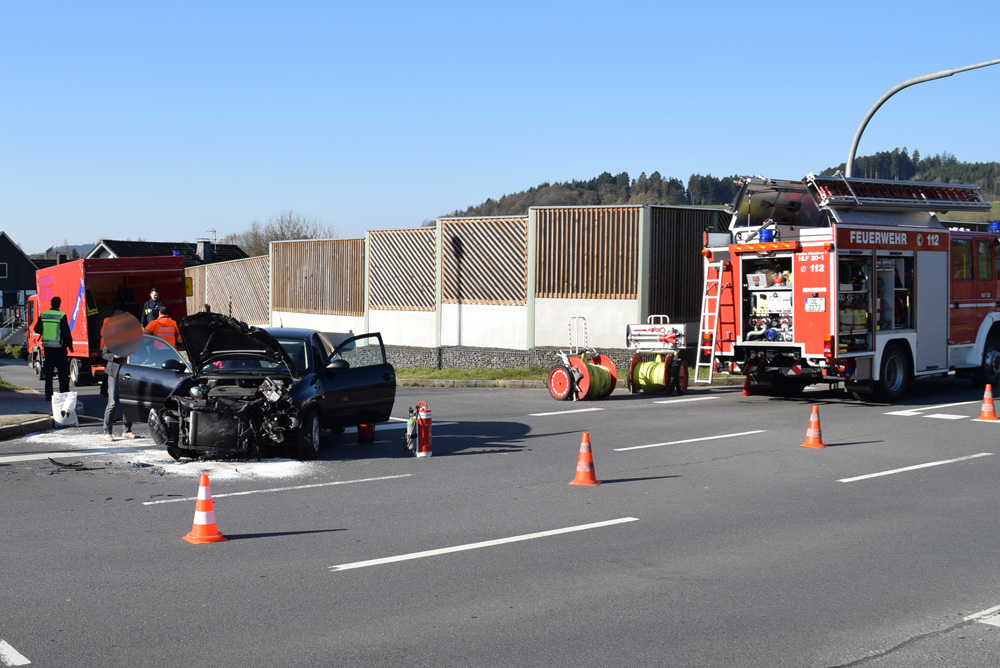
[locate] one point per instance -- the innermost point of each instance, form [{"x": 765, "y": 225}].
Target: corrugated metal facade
[
  {"x": 485, "y": 261},
  {"x": 403, "y": 273},
  {"x": 325, "y": 277},
  {"x": 675, "y": 259},
  {"x": 587, "y": 252}
]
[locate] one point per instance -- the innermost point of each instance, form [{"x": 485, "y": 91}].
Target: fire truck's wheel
[
  {"x": 74, "y": 372},
  {"x": 681, "y": 378},
  {"x": 36, "y": 365},
  {"x": 560, "y": 383},
  {"x": 40, "y": 361},
  {"x": 989, "y": 372},
  {"x": 894, "y": 376}
]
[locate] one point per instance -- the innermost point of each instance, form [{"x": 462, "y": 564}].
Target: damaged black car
[{"x": 244, "y": 391}]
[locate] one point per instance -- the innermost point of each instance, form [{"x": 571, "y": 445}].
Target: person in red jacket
[{"x": 165, "y": 327}]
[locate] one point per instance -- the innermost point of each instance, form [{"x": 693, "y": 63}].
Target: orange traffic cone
[
  {"x": 747, "y": 390},
  {"x": 585, "y": 464},
  {"x": 204, "y": 530},
  {"x": 814, "y": 435},
  {"x": 988, "y": 412}
]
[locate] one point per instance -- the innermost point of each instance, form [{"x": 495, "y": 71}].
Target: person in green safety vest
[{"x": 57, "y": 338}]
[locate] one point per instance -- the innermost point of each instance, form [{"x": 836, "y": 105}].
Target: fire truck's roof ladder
[
  {"x": 840, "y": 192},
  {"x": 709, "y": 322}
]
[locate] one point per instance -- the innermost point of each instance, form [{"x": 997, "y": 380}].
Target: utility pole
[{"x": 895, "y": 89}]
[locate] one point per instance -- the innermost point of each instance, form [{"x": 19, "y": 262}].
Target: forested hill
[{"x": 705, "y": 190}]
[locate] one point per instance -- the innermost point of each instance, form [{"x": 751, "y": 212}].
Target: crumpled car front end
[{"x": 238, "y": 417}]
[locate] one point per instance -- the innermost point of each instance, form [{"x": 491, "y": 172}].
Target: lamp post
[{"x": 895, "y": 89}]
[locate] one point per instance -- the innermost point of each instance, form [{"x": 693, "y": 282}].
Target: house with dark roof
[
  {"x": 17, "y": 281},
  {"x": 195, "y": 254}
]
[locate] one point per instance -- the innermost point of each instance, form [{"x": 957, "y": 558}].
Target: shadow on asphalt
[
  {"x": 246, "y": 536},
  {"x": 472, "y": 438}
]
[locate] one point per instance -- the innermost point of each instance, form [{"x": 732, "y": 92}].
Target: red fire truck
[
  {"x": 834, "y": 279},
  {"x": 91, "y": 290}
]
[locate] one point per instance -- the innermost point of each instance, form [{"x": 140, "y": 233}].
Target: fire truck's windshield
[{"x": 785, "y": 204}]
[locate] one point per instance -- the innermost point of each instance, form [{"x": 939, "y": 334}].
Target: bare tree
[{"x": 286, "y": 226}]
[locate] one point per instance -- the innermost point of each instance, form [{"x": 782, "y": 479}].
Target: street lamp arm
[{"x": 895, "y": 89}]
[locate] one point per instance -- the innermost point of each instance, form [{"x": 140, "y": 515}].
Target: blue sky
[{"x": 165, "y": 121}]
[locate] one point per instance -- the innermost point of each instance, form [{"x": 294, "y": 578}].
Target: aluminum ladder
[{"x": 709, "y": 322}]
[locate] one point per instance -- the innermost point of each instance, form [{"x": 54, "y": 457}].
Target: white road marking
[
  {"x": 476, "y": 546},
  {"x": 910, "y": 412},
  {"x": 10, "y": 656},
  {"x": 914, "y": 468},
  {"x": 988, "y": 616},
  {"x": 947, "y": 416},
  {"x": 677, "y": 401},
  {"x": 75, "y": 453},
  {"x": 691, "y": 440},
  {"x": 280, "y": 489},
  {"x": 578, "y": 410}
]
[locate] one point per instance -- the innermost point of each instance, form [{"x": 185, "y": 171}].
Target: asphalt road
[{"x": 713, "y": 540}]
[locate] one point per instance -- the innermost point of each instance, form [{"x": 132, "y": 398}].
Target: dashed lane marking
[
  {"x": 919, "y": 412},
  {"x": 947, "y": 416},
  {"x": 692, "y": 440},
  {"x": 914, "y": 468},
  {"x": 677, "y": 401},
  {"x": 989, "y": 616},
  {"x": 578, "y": 410},
  {"x": 35, "y": 456},
  {"x": 476, "y": 546},
  {"x": 10, "y": 656},
  {"x": 279, "y": 489}
]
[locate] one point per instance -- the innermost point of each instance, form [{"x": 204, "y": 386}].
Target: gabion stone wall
[{"x": 467, "y": 357}]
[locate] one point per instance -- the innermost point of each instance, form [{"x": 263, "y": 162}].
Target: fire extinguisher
[
  {"x": 423, "y": 430},
  {"x": 410, "y": 436}
]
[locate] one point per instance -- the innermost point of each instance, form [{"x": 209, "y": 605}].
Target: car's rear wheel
[{"x": 309, "y": 437}]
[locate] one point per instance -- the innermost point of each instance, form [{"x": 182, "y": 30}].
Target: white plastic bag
[{"x": 64, "y": 407}]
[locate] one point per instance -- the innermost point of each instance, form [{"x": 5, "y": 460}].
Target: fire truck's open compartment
[
  {"x": 767, "y": 298},
  {"x": 854, "y": 303},
  {"x": 894, "y": 291}
]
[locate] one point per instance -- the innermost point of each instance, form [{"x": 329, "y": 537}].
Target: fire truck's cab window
[
  {"x": 984, "y": 259},
  {"x": 961, "y": 257},
  {"x": 894, "y": 292}
]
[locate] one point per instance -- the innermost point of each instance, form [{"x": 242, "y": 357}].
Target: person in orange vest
[{"x": 165, "y": 327}]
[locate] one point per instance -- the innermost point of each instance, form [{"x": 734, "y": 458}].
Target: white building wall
[
  {"x": 606, "y": 321},
  {"x": 323, "y": 323},
  {"x": 484, "y": 326},
  {"x": 405, "y": 328}
]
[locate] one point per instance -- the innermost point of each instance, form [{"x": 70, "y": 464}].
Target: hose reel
[
  {"x": 581, "y": 372},
  {"x": 666, "y": 372}
]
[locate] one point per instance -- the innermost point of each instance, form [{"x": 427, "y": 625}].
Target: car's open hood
[{"x": 209, "y": 337}]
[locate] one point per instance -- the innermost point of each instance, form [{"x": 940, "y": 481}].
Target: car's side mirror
[
  {"x": 337, "y": 365},
  {"x": 173, "y": 365}
]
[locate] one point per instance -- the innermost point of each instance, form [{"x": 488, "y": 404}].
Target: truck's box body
[{"x": 92, "y": 289}]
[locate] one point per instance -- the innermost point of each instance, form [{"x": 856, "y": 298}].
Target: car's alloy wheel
[{"x": 309, "y": 436}]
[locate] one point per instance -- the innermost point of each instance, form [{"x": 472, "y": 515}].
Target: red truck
[
  {"x": 833, "y": 279},
  {"x": 93, "y": 289}
]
